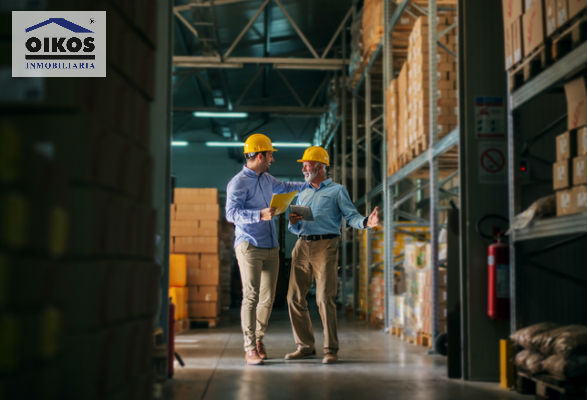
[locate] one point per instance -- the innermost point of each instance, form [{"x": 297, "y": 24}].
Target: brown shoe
[
  {"x": 252, "y": 357},
  {"x": 301, "y": 352},
  {"x": 329, "y": 358},
  {"x": 261, "y": 350}
]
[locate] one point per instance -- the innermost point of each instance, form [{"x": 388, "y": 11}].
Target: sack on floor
[
  {"x": 524, "y": 336},
  {"x": 529, "y": 360},
  {"x": 565, "y": 367},
  {"x": 565, "y": 340}
]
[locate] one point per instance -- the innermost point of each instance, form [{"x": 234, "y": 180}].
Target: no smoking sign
[{"x": 492, "y": 162}]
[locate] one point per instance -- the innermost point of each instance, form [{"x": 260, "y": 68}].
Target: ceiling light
[
  {"x": 179, "y": 143},
  {"x": 291, "y": 144},
  {"x": 241, "y": 144},
  {"x": 220, "y": 114}
]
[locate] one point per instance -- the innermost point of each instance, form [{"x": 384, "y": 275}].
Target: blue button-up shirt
[
  {"x": 246, "y": 195},
  {"x": 329, "y": 204}
]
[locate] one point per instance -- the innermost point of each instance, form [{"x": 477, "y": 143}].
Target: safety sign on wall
[
  {"x": 492, "y": 162},
  {"x": 489, "y": 117}
]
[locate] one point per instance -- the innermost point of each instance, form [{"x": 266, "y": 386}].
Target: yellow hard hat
[
  {"x": 316, "y": 153},
  {"x": 258, "y": 142}
]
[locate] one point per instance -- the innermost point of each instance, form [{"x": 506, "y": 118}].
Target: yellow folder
[{"x": 282, "y": 201}]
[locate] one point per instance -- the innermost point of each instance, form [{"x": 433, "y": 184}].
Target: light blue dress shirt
[
  {"x": 246, "y": 195},
  {"x": 329, "y": 204}
]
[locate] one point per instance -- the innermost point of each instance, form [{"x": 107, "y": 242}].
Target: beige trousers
[
  {"x": 314, "y": 260},
  {"x": 258, "y": 268}
]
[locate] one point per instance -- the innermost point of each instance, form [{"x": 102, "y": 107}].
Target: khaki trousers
[
  {"x": 314, "y": 260},
  {"x": 258, "y": 269}
]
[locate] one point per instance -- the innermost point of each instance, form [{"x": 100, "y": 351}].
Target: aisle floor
[{"x": 372, "y": 365}]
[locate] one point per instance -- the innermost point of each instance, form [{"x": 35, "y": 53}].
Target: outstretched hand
[
  {"x": 373, "y": 219},
  {"x": 267, "y": 214}
]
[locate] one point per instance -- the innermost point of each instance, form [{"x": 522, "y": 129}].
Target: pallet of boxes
[
  {"x": 539, "y": 32},
  {"x": 195, "y": 216},
  {"x": 570, "y": 169}
]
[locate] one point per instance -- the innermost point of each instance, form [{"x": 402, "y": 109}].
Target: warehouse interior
[{"x": 464, "y": 122}]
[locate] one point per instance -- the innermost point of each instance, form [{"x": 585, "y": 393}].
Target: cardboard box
[
  {"x": 566, "y": 146},
  {"x": 550, "y": 16},
  {"x": 530, "y": 3},
  {"x": 517, "y": 41},
  {"x": 576, "y": 95},
  {"x": 203, "y": 309},
  {"x": 195, "y": 244},
  {"x": 560, "y": 174},
  {"x": 562, "y": 12},
  {"x": 579, "y": 170},
  {"x": 209, "y": 261},
  {"x": 177, "y": 270},
  {"x": 512, "y": 9},
  {"x": 193, "y": 261},
  {"x": 184, "y": 228},
  {"x": 195, "y": 196},
  {"x": 207, "y": 228},
  {"x": 203, "y": 293},
  {"x": 197, "y": 212},
  {"x": 564, "y": 203},
  {"x": 582, "y": 141},
  {"x": 576, "y": 6},
  {"x": 533, "y": 24},
  {"x": 507, "y": 46},
  {"x": 579, "y": 198}
]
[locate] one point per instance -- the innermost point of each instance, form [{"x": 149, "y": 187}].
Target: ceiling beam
[
  {"x": 279, "y": 62},
  {"x": 291, "y": 110}
]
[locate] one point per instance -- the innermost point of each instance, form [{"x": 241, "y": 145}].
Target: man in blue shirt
[
  {"x": 315, "y": 255},
  {"x": 248, "y": 196}
]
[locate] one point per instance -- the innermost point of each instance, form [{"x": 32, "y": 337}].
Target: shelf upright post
[
  {"x": 368, "y": 172},
  {"x": 355, "y": 195},
  {"x": 387, "y": 209},
  {"x": 433, "y": 163},
  {"x": 343, "y": 164}
]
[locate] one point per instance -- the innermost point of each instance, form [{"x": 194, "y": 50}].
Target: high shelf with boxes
[
  {"x": 404, "y": 160},
  {"x": 421, "y": 145},
  {"x": 78, "y": 220},
  {"x": 195, "y": 235},
  {"x": 547, "y": 153}
]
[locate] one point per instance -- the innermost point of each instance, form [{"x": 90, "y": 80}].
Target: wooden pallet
[
  {"x": 211, "y": 322},
  {"x": 549, "y": 387},
  {"x": 569, "y": 38},
  {"x": 530, "y": 66},
  {"x": 424, "y": 339}
]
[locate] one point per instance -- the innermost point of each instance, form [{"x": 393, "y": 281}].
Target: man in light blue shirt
[
  {"x": 248, "y": 196},
  {"x": 315, "y": 255}
]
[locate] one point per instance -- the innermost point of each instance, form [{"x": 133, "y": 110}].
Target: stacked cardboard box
[
  {"x": 194, "y": 233},
  {"x": 419, "y": 83},
  {"x": 77, "y": 221},
  {"x": 391, "y": 118},
  {"x": 570, "y": 169},
  {"x": 512, "y": 26},
  {"x": 372, "y": 26}
]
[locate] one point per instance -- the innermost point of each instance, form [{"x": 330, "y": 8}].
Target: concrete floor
[{"x": 373, "y": 365}]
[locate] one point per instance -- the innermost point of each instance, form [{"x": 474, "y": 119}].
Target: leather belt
[{"x": 318, "y": 237}]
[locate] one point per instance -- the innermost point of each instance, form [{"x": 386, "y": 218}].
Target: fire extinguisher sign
[{"x": 503, "y": 281}]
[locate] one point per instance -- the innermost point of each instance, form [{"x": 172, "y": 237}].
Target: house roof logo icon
[{"x": 61, "y": 22}]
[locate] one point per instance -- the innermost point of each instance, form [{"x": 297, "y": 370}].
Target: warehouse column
[
  {"x": 481, "y": 75},
  {"x": 161, "y": 149}
]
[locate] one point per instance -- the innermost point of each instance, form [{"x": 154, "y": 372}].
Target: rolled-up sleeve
[
  {"x": 348, "y": 209},
  {"x": 236, "y": 196}
]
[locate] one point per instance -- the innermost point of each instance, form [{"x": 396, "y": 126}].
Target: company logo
[{"x": 59, "y": 44}]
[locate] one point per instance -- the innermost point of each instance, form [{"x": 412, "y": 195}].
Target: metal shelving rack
[
  {"x": 567, "y": 66},
  {"x": 428, "y": 158}
]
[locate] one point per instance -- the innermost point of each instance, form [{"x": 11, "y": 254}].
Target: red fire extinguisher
[
  {"x": 171, "y": 340},
  {"x": 498, "y": 280}
]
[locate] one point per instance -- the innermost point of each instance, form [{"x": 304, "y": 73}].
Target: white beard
[{"x": 309, "y": 176}]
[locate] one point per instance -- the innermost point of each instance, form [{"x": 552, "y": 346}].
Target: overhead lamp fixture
[
  {"x": 275, "y": 144},
  {"x": 220, "y": 114},
  {"x": 182, "y": 143}
]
